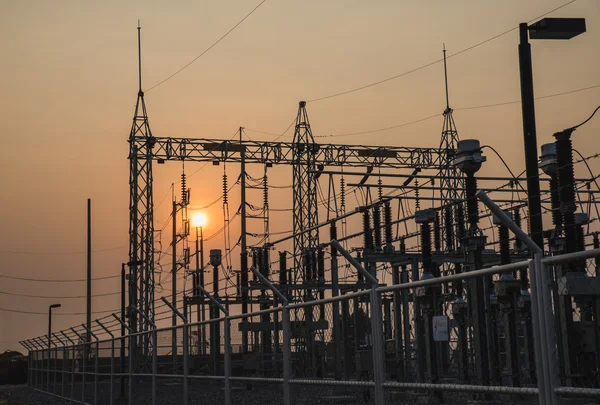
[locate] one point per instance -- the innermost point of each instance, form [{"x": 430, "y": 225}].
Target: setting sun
[{"x": 199, "y": 219}]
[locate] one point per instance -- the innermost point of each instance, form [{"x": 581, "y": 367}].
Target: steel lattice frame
[
  {"x": 141, "y": 223},
  {"x": 305, "y": 196}
]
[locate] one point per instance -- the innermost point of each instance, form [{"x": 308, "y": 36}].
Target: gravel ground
[
  {"x": 170, "y": 393},
  {"x": 23, "y": 395}
]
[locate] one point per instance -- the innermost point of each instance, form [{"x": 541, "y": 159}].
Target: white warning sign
[{"x": 441, "y": 331}]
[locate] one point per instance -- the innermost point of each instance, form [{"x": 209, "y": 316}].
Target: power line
[
  {"x": 209, "y": 48},
  {"x": 61, "y": 253},
  {"x": 57, "y": 312},
  {"x": 537, "y": 98},
  {"x": 57, "y": 297},
  {"x": 380, "y": 129},
  {"x": 435, "y": 61},
  {"x": 458, "y": 109},
  {"x": 55, "y": 280}
]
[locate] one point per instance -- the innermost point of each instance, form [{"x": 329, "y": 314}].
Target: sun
[{"x": 199, "y": 219}]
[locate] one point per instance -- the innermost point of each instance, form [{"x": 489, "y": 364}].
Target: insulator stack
[
  {"x": 459, "y": 283},
  {"x": 437, "y": 233},
  {"x": 472, "y": 202},
  {"x": 254, "y": 263},
  {"x": 597, "y": 259},
  {"x": 387, "y": 218},
  {"x": 282, "y": 268},
  {"x": 379, "y": 188},
  {"x": 265, "y": 191},
  {"x": 306, "y": 265},
  {"x": 580, "y": 238},
  {"x": 566, "y": 189},
  {"x": 225, "y": 193},
  {"x": 377, "y": 227},
  {"x": 321, "y": 265},
  {"x": 358, "y": 273},
  {"x": 460, "y": 221},
  {"x": 314, "y": 264},
  {"x": 448, "y": 228},
  {"x": 183, "y": 190},
  {"x": 368, "y": 234},
  {"x": 417, "y": 201},
  {"x": 343, "y": 194},
  {"x": 581, "y": 220},
  {"x": 265, "y": 258},
  {"x": 517, "y": 219},
  {"x": 555, "y": 202},
  {"x": 333, "y": 235},
  {"x": 426, "y": 246},
  {"x": 504, "y": 239}
]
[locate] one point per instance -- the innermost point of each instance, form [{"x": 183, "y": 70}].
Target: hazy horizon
[{"x": 69, "y": 80}]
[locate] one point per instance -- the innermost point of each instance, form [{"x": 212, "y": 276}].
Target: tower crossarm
[{"x": 207, "y": 150}]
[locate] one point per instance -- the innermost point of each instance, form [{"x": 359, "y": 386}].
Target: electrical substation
[{"x": 402, "y": 277}]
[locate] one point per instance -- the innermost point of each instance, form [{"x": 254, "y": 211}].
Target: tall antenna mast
[
  {"x": 446, "y": 80},
  {"x": 139, "y": 28}
]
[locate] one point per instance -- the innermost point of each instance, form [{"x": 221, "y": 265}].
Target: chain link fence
[{"x": 404, "y": 343}]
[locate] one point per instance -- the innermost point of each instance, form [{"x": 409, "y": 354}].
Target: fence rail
[{"x": 350, "y": 346}]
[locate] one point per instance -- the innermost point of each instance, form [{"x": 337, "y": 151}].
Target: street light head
[
  {"x": 557, "y": 28},
  {"x": 199, "y": 219},
  {"x": 54, "y": 306}
]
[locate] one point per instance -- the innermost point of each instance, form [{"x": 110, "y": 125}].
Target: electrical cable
[
  {"x": 55, "y": 280},
  {"x": 589, "y": 118},
  {"x": 57, "y": 297},
  {"x": 207, "y": 49},
  {"x": 435, "y": 61},
  {"x": 61, "y": 253},
  {"x": 456, "y": 109}
]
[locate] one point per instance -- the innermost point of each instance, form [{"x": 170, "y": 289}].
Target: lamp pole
[
  {"x": 530, "y": 137},
  {"x": 547, "y": 28}
]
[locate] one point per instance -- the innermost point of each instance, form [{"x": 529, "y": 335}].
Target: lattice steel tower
[
  {"x": 305, "y": 197},
  {"x": 141, "y": 216},
  {"x": 451, "y": 183}
]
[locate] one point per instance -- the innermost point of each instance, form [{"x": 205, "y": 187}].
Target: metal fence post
[
  {"x": 287, "y": 358},
  {"x": 112, "y": 358},
  {"x": 129, "y": 358},
  {"x": 376, "y": 324},
  {"x": 540, "y": 343},
  {"x": 95, "y": 362},
  {"x": 227, "y": 359},
  {"x": 48, "y": 368},
  {"x": 545, "y": 307},
  {"x": 154, "y": 362},
  {"x": 81, "y": 338},
  {"x": 227, "y": 366},
  {"x": 185, "y": 347},
  {"x": 538, "y": 338},
  {"x": 62, "y": 372},
  {"x": 378, "y": 354},
  {"x": 287, "y": 355},
  {"x": 72, "y": 361}
]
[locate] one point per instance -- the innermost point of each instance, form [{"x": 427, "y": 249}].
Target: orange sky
[{"x": 68, "y": 80}]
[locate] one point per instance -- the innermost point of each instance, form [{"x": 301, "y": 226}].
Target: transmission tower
[
  {"x": 141, "y": 221},
  {"x": 306, "y": 239}
]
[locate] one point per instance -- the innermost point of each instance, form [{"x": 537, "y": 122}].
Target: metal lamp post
[{"x": 547, "y": 28}]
